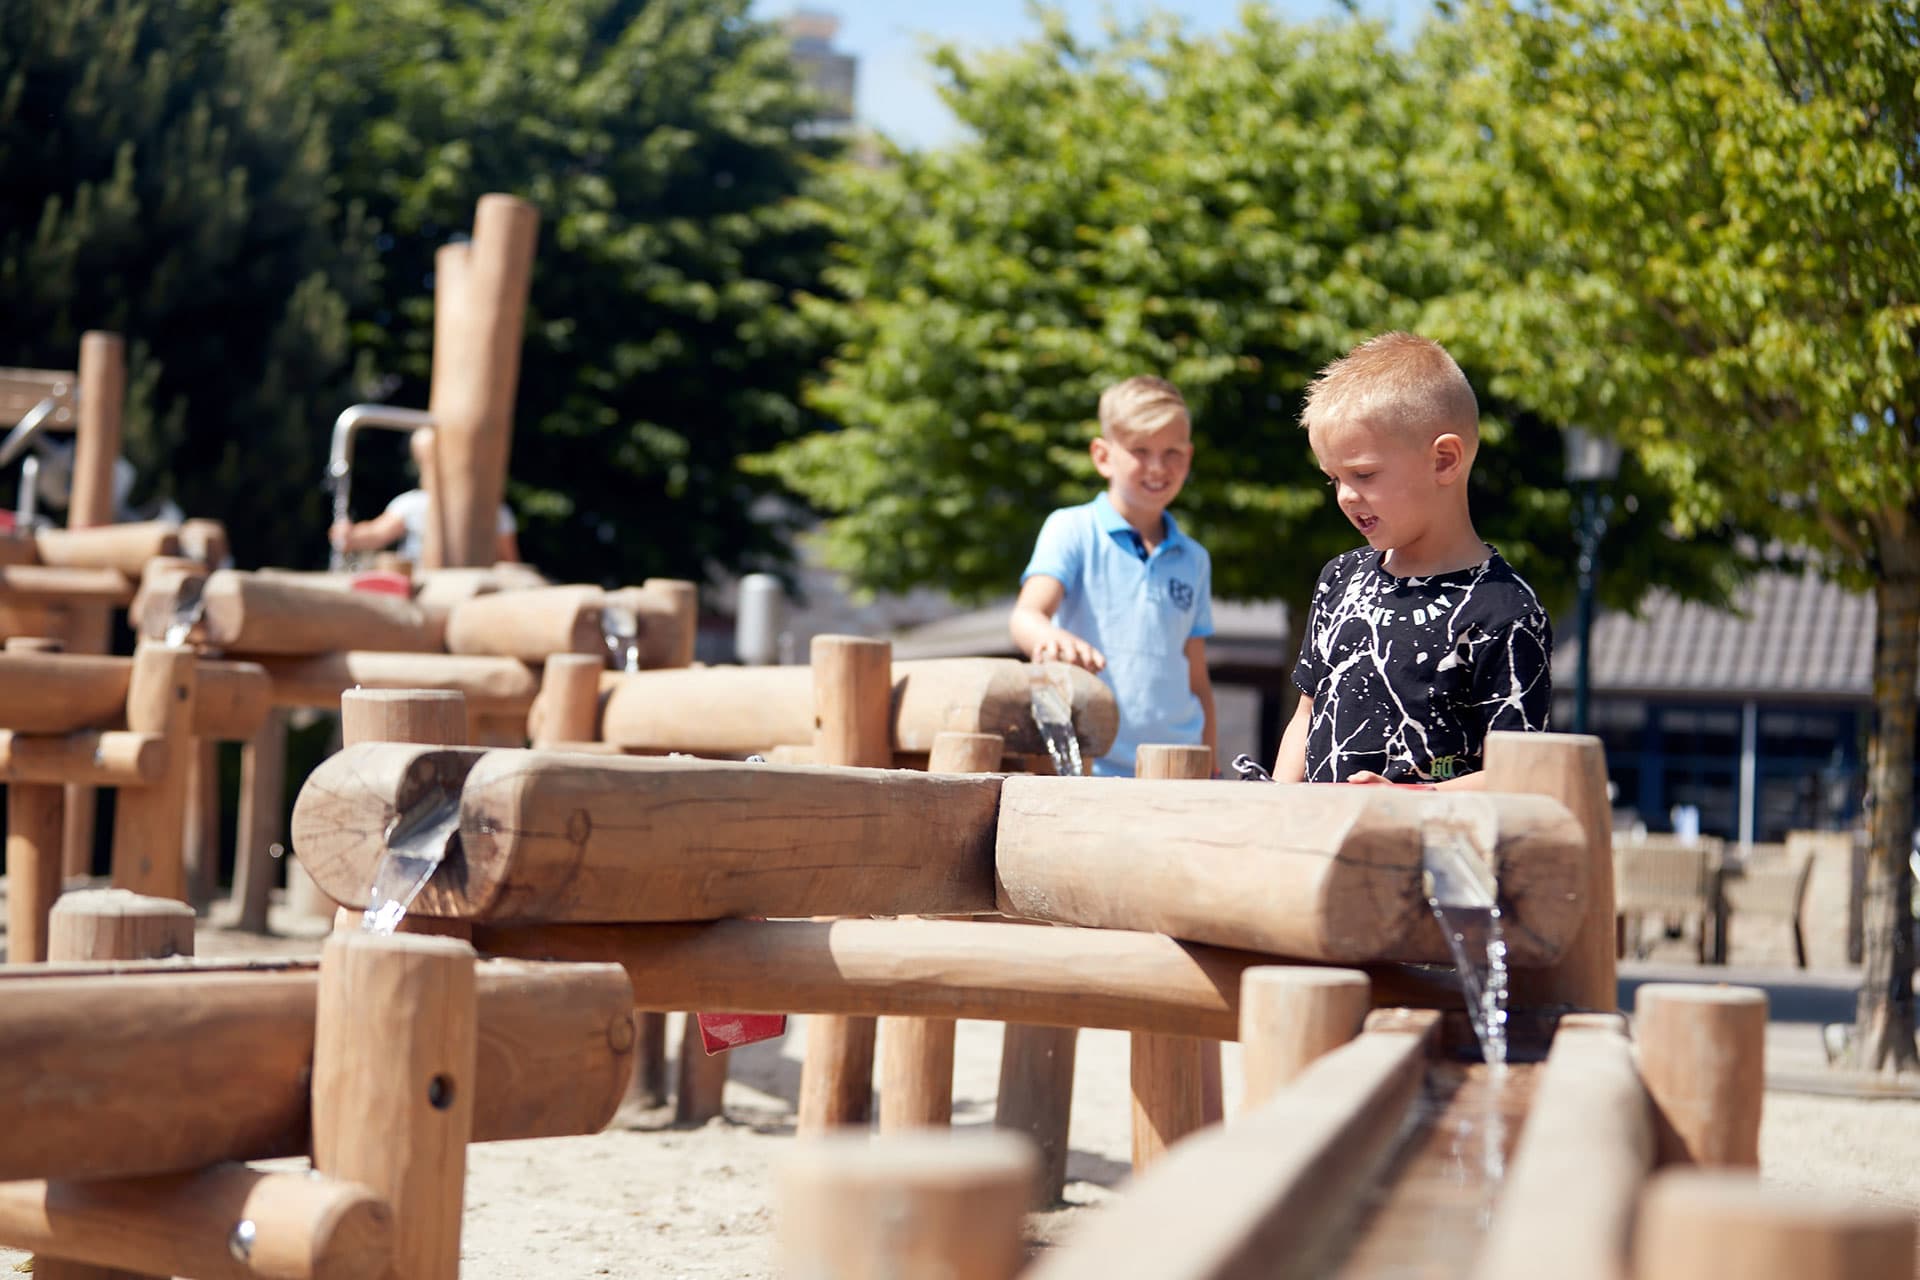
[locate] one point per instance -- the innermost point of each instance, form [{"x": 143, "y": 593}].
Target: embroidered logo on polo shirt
[{"x": 1180, "y": 593}]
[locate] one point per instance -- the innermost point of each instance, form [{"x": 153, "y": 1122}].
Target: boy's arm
[
  {"x": 1039, "y": 637},
  {"x": 383, "y": 530},
  {"x": 1291, "y": 764},
  {"x": 1200, "y": 680}
]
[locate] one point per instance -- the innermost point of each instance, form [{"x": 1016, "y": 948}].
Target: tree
[
  {"x": 1232, "y": 213},
  {"x": 163, "y": 175},
  {"x": 665, "y": 144},
  {"x": 1715, "y": 204}
]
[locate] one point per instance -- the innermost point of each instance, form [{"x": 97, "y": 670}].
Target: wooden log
[
  {"x": 567, "y": 711},
  {"x": 649, "y": 1087},
  {"x": 262, "y": 822},
  {"x": 1703, "y": 1057},
  {"x": 230, "y": 1051},
  {"x": 226, "y": 1220},
  {"x": 393, "y": 1077},
  {"x": 16, "y": 545},
  {"x": 149, "y": 822},
  {"x": 701, "y": 1091},
  {"x": 1697, "y": 1222},
  {"x": 722, "y": 711},
  {"x": 1322, "y": 873},
  {"x": 852, "y": 689},
  {"x": 1291, "y": 1016},
  {"x": 966, "y": 753},
  {"x": 156, "y": 604},
  {"x": 35, "y": 820},
  {"x": 668, "y": 612},
  {"x": 231, "y": 700},
  {"x": 431, "y": 717},
  {"x": 1035, "y": 1099},
  {"x": 907, "y": 1205},
  {"x": 529, "y": 625},
  {"x": 97, "y": 428},
  {"x": 44, "y": 584},
  {"x": 1572, "y": 769},
  {"x": 1170, "y": 1075},
  {"x": 200, "y": 842},
  {"x": 251, "y": 613},
  {"x": 34, "y": 644},
  {"x": 547, "y": 837},
  {"x": 1261, "y": 1197},
  {"x": 491, "y": 685},
  {"x": 123, "y": 548},
  {"x": 115, "y": 924},
  {"x": 1590, "y": 1127},
  {"x": 55, "y": 693},
  {"x": 476, "y": 368}
]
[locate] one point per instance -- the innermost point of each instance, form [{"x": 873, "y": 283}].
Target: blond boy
[
  {"x": 1114, "y": 585},
  {"x": 1420, "y": 643},
  {"x": 405, "y": 518}
]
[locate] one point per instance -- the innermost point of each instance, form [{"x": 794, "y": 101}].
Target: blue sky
[{"x": 894, "y": 92}]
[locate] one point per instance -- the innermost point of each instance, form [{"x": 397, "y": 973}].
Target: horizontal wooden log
[
  {"x": 225, "y": 1222},
  {"x": 250, "y": 613},
  {"x": 928, "y": 968},
  {"x": 231, "y": 700},
  {"x": 16, "y": 547},
  {"x": 155, "y": 1070},
  {"x": 493, "y": 686},
  {"x": 44, "y": 584},
  {"x": 60, "y": 693},
  {"x": 1262, "y": 1197},
  {"x": 115, "y": 758},
  {"x": 722, "y": 711},
  {"x": 124, "y": 548},
  {"x": 1325, "y": 873},
  {"x": 549, "y": 837},
  {"x": 529, "y": 625}
]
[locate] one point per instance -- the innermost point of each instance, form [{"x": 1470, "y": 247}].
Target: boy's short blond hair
[
  {"x": 1396, "y": 380},
  {"x": 1139, "y": 406}
]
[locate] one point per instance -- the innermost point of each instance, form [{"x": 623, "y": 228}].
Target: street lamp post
[{"x": 1592, "y": 463}]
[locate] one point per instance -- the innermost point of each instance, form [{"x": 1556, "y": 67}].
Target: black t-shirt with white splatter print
[{"x": 1409, "y": 675}]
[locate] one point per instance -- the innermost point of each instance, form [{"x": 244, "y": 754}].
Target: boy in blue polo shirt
[{"x": 1115, "y": 587}]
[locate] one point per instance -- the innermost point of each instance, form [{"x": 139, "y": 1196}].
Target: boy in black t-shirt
[{"x": 1422, "y": 642}]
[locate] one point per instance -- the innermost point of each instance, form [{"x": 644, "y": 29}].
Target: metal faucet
[
  {"x": 340, "y": 454},
  {"x": 24, "y": 433}
]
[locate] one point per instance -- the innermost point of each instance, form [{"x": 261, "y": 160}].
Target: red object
[
  {"x": 722, "y": 1031},
  {"x": 380, "y": 582},
  {"x": 6, "y": 522}
]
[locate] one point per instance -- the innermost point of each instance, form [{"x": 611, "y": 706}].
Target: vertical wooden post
[
  {"x": 703, "y": 1079},
  {"x": 34, "y": 825},
  {"x": 112, "y": 924},
  {"x": 263, "y": 819},
  {"x": 1571, "y": 768},
  {"x": 393, "y": 1075},
  {"x": 852, "y": 718},
  {"x": 1290, "y": 1015},
  {"x": 150, "y": 822},
  {"x": 1035, "y": 1098},
  {"x": 200, "y": 838},
  {"x": 1173, "y": 1076},
  {"x": 1697, "y": 1222},
  {"x": 916, "y": 1204},
  {"x": 569, "y": 700},
  {"x": 916, "y": 1054},
  {"x": 686, "y": 599},
  {"x": 1702, "y": 1054},
  {"x": 475, "y": 378},
  {"x": 649, "y": 1087}
]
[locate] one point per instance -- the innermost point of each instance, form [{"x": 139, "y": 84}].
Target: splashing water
[
  {"x": 1054, "y": 717},
  {"x": 341, "y": 560},
  {"x": 416, "y": 844},
  {"x": 620, "y": 629},
  {"x": 1465, "y": 903},
  {"x": 189, "y": 604}
]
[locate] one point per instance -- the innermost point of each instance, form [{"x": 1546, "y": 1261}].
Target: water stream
[
  {"x": 189, "y": 604},
  {"x": 416, "y": 845},
  {"x": 1465, "y": 903},
  {"x": 1054, "y": 716},
  {"x": 620, "y": 629}
]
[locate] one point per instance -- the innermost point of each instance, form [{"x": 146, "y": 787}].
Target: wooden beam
[
  {"x": 252, "y": 613},
  {"x": 529, "y": 625},
  {"x": 491, "y": 685},
  {"x": 262, "y": 820},
  {"x": 567, "y": 711},
  {"x": 115, "y": 758},
  {"x": 123, "y": 548},
  {"x": 1322, "y": 873}
]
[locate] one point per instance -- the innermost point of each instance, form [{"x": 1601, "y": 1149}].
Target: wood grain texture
[
  {"x": 1035, "y": 1099},
  {"x": 252, "y": 613},
  {"x": 529, "y": 625},
  {"x": 1291, "y": 1015}
]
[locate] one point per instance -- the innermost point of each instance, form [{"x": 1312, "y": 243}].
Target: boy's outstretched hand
[{"x": 1064, "y": 646}]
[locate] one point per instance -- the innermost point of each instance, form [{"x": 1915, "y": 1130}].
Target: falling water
[
  {"x": 189, "y": 603},
  {"x": 620, "y": 628},
  {"x": 1054, "y": 716},
  {"x": 1462, "y": 896},
  {"x": 416, "y": 844},
  {"x": 342, "y": 560}
]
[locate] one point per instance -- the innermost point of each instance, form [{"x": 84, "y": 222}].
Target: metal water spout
[
  {"x": 25, "y": 433},
  {"x": 340, "y": 452}
]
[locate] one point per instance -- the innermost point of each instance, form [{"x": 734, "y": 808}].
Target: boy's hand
[
  {"x": 1064, "y": 646},
  {"x": 1367, "y": 778},
  {"x": 340, "y": 532}
]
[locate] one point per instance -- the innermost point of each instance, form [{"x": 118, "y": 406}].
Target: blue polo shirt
[{"x": 1139, "y": 609}]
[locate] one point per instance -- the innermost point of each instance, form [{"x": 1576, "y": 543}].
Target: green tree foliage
[
  {"x": 1714, "y": 204},
  {"x": 1229, "y": 212},
  {"x": 664, "y": 143},
  {"x": 162, "y": 175}
]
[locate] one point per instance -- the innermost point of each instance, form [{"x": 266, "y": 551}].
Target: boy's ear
[
  {"x": 1098, "y": 449},
  {"x": 1449, "y": 454}
]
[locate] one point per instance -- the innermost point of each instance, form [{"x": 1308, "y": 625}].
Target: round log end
[{"x": 1700, "y": 1222}]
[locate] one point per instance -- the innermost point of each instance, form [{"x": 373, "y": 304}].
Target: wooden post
[
  {"x": 852, "y": 698},
  {"x": 1173, "y": 1076},
  {"x": 34, "y": 824},
  {"x": 648, "y": 1088},
  {"x": 1571, "y": 768},
  {"x": 200, "y": 839},
  {"x": 263, "y": 820},
  {"x": 96, "y": 446},
  {"x": 393, "y": 1083},
  {"x": 916, "y": 1054},
  {"x": 112, "y": 924},
  {"x": 475, "y": 377},
  {"x": 150, "y": 822},
  {"x": 568, "y": 706},
  {"x": 1703, "y": 1056},
  {"x": 1035, "y": 1098},
  {"x": 1696, "y": 1222},
  {"x": 1291, "y": 1015},
  {"x": 905, "y": 1205},
  {"x": 703, "y": 1079},
  {"x": 430, "y": 717},
  {"x": 684, "y": 597}
]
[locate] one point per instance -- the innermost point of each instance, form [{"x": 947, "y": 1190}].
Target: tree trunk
[{"x": 1884, "y": 1021}]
